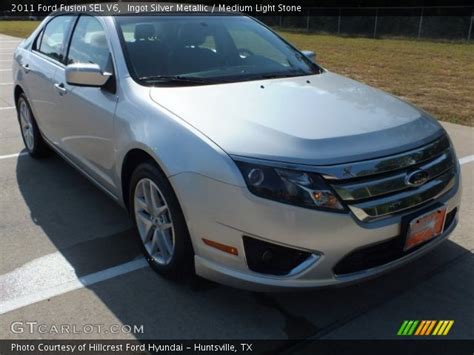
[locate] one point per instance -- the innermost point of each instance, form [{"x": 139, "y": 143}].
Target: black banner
[
  {"x": 21, "y": 8},
  {"x": 320, "y": 347}
]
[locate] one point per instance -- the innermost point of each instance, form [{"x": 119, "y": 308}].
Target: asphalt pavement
[{"x": 68, "y": 257}]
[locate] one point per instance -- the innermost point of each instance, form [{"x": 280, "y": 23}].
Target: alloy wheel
[
  {"x": 27, "y": 125},
  {"x": 154, "y": 221}
]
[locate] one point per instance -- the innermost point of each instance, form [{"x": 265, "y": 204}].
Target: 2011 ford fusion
[{"x": 237, "y": 156}]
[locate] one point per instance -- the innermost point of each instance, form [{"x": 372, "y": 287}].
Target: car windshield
[{"x": 197, "y": 50}]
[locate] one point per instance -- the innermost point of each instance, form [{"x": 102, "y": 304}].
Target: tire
[
  {"x": 34, "y": 142},
  {"x": 149, "y": 192}
]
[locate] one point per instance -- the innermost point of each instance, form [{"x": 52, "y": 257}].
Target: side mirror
[
  {"x": 310, "y": 55},
  {"x": 86, "y": 74}
]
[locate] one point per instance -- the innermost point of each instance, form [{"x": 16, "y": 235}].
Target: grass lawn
[
  {"x": 437, "y": 76},
  {"x": 18, "y": 28}
]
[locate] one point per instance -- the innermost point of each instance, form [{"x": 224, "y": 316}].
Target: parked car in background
[{"x": 236, "y": 155}]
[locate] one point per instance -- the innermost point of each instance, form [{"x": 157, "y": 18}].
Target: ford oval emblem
[{"x": 416, "y": 178}]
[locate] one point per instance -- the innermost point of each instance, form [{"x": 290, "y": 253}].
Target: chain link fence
[{"x": 448, "y": 23}]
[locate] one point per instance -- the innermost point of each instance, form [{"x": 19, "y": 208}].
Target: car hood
[{"x": 316, "y": 120}]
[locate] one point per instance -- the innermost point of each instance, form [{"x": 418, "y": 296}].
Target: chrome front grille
[{"x": 378, "y": 188}]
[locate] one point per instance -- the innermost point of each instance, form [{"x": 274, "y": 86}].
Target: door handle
[
  {"x": 26, "y": 68},
  {"x": 60, "y": 88}
]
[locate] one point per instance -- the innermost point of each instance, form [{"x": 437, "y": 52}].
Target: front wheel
[
  {"x": 30, "y": 132},
  {"x": 160, "y": 223}
]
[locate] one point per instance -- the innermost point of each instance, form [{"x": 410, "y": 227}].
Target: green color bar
[
  {"x": 404, "y": 324},
  {"x": 413, "y": 327},
  {"x": 407, "y": 328}
]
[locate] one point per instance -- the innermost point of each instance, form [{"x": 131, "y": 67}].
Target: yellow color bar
[
  {"x": 448, "y": 327},
  {"x": 438, "y": 327},
  {"x": 430, "y": 328},
  {"x": 443, "y": 327},
  {"x": 420, "y": 327}
]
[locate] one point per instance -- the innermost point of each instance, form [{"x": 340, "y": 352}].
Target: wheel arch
[
  {"x": 17, "y": 92},
  {"x": 131, "y": 160}
]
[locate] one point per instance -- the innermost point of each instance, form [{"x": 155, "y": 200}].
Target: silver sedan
[{"x": 237, "y": 156}]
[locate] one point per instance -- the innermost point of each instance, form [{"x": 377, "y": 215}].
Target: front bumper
[{"x": 225, "y": 213}]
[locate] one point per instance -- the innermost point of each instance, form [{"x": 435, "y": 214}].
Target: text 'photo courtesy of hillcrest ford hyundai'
[{"x": 237, "y": 156}]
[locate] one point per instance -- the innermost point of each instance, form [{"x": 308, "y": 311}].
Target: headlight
[{"x": 289, "y": 186}]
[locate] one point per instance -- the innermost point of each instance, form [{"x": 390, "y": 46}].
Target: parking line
[
  {"x": 4, "y": 84},
  {"x": 49, "y": 276},
  {"x": 12, "y": 155},
  {"x": 466, "y": 160},
  {"x": 7, "y": 108},
  {"x": 5, "y": 69}
]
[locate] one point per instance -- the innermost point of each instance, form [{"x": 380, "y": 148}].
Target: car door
[
  {"x": 87, "y": 113},
  {"x": 39, "y": 70}
]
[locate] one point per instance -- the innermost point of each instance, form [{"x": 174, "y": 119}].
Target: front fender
[{"x": 175, "y": 145}]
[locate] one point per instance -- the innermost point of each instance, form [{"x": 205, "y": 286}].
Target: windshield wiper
[
  {"x": 283, "y": 75},
  {"x": 176, "y": 79}
]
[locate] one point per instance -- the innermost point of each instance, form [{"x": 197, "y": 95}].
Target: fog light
[{"x": 273, "y": 259}]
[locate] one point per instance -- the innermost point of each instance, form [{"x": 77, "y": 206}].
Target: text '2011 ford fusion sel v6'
[{"x": 237, "y": 156}]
